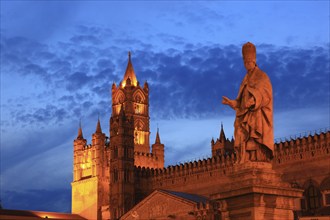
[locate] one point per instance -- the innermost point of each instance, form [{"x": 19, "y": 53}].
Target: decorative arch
[
  {"x": 309, "y": 182},
  {"x": 114, "y": 127},
  {"x": 312, "y": 195},
  {"x": 119, "y": 97},
  {"x": 325, "y": 184},
  {"x": 139, "y": 124},
  {"x": 138, "y": 96},
  {"x": 325, "y": 189}
]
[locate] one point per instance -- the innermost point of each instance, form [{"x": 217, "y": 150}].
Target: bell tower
[
  {"x": 121, "y": 164},
  {"x": 134, "y": 100}
]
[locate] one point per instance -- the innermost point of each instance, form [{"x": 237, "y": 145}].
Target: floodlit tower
[
  {"x": 121, "y": 164},
  {"x": 134, "y": 100}
]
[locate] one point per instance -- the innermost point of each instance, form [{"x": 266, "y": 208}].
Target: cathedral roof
[{"x": 129, "y": 74}]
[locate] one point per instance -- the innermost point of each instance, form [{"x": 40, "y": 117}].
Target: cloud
[
  {"x": 54, "y": 74},
  {"x": 49, "y": 113},
  {"x": 58, "y": 200},
  {"x": 185, "y": 83},
  {"x": 190, "y": 84},
  {"x": 71, "y": 80}
]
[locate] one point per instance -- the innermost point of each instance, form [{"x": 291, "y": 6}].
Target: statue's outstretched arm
[{"x": 230, "y": 102}]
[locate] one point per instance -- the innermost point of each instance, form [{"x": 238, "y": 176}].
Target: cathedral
[{"x": 123, "y": 176}]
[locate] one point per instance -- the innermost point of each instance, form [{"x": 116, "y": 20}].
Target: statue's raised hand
[{"x": 227, "y": 101}]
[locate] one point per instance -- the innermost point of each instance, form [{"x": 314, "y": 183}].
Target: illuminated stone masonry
[{"x": 120, "y": 177}]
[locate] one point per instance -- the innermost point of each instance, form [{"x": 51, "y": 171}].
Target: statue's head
[{"x": 249, "y": 55}]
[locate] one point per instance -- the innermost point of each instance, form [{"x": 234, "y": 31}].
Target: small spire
[
  {"x": 146, "y": 86},
  {"x": 222, "y": 137},
  {"x": 129, "y": 72},
  {"x": 157, "y": 141},
  {"x": 98, "y": 126},
  {"x": 114, "y": 85},
  {"x": 80, "y": 133}
]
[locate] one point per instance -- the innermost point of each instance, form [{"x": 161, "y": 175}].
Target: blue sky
[{"x": 59, "y": 59}]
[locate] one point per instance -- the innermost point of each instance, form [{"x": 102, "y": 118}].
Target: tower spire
[
  {"x": 222, "y": 134},
  {"x": 157, "y": 141},
  {"x": 98, "y": 126},
  {"x": 129, "y": 74},
  {"x": 80, "y": 133}
]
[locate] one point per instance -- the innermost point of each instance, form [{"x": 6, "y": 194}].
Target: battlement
[
  {"x": 185, "y": 177},
  {"x": 188, "y": 168},
  {"x": 142, "y": 159},
  {"x": 302, "y": 148}
]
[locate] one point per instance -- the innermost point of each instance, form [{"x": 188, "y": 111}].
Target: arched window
[{"x": 313, "y": 200}]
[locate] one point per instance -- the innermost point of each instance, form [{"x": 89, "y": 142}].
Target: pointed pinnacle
[
  {"x": 80, "y": 133},
  {"x": 157, "y": 141},
  {"x": 98, "y": 127}
]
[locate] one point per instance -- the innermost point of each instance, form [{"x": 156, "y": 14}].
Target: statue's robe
[{"x": 254, "y": 112}]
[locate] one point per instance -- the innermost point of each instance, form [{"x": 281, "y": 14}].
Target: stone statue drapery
[{"x": 254, "y": 111}]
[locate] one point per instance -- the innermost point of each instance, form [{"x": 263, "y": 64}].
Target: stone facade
[{"x": 120, "y": 177}]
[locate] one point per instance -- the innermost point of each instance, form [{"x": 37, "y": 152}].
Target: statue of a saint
[{"x": 254, "y": 111}]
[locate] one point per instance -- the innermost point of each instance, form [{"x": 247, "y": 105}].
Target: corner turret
[
  {"x": 146, "y": 87},
  {"x": 158, "y": 150},
  {"x": 222, "y": 146},
  {"x": 90, "y": 174},
  {"x": 79, "y": 143},
  {"x": 222, "y": 136}
]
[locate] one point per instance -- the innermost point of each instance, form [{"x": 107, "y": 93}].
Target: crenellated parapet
[
  {"x": 188, "y": 168},
  {"x": 150, "y": 160},
  {"x": 178, "y": 177},
  {"x": 304, "y": 148}
]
